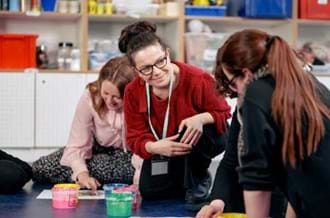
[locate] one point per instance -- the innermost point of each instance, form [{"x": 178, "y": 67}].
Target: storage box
[
  {"x": 48, "y": 5},
  {"x": 268, "y": 9},
  {"x": 17, "y": 51},
  {"x": 205, "y": 11},
  {"x": 201, "y": 48},
  {"x": 314, "y": 9}
]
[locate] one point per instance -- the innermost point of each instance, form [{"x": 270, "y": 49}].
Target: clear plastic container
[
  {"x": 119, "y": 204},
  {"x": 75, "y": 59},
  {"x": 201, "y": 48},
  {"x": 64, "y": 55}
]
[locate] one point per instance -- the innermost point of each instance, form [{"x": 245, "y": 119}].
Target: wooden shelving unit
[
  {"x": 44, "y": 16},
  {"x": 82, "y": 27},
  {"x": 124, "y": 18},
  {"x": 240, "y": 20}
]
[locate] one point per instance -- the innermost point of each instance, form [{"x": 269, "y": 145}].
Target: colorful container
[
  {"x": 232, "y": 215},
  {"x": 65, "y": 195},
  {"x": 314, "y": 9},
  {"x": 17, "y": 51},
  {"x": 205, "y": 11},
  {"x": 108, "y": 188},
  {"x": 48, "y": 5},
  {"x": 268, "y": 9},
  {"x": 119, "y": 204},
  {"x": 134, "y": 189}
]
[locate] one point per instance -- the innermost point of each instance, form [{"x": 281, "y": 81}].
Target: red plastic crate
[
  {"x": 314, "y": 9},
  {"x": 17, "y": 51}
]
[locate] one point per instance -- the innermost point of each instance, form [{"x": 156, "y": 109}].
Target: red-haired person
[
  {"x": 283, "y": 118},
  {"x": 96, "y": 152}
]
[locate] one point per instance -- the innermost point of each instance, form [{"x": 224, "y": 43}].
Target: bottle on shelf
[
  {"x": 74, "y": 6},
  {"x": 75, "y": 59},
  {"x": 92, "y": 6},
  {"x": 108, "y": 7},
  {"x": 35, "y": 5},
  {"x": 100, "y": 7},
  {"x": 42, "y": 56},
  {"x": 63, "y": 6},
  {"x": 64, "y": 55}
]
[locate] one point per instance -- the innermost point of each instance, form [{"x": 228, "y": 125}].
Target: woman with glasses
[
  {"x": 283, "y": 118},
  {"x": 175, "y": 120},
  {"x": 96, "y": 152}
]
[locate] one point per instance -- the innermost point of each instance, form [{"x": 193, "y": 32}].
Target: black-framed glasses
[
  {"x": 229, "y": 84},
  {"x": 227, "y": 87},
  {"x": 148, "y": 70}
]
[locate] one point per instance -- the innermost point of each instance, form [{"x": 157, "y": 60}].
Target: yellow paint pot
[{"x": 232, "y": 215}]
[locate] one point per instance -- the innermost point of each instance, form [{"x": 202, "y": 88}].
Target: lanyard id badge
[{"x": 159, "y": 166}]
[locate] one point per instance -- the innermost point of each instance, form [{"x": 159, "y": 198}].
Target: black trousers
[
  {"x": 14, "y": 173},
  {"x": 184, "y": 172},
  {"x": 107, "y": 165}
]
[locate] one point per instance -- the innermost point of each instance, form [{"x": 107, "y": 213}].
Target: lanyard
[{"x": 167, "y": 114}]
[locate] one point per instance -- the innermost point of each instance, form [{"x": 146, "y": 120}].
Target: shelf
[
  {"x": 239, "y": 21},
  {"x": 322, "y": 74},
  {"x": 48, "y": 16},
  {"x": 40, "y": 70},
  {"x": 93, "y": 71},
  {"x": 127, "y": 19},
  {"x": 12, "y": 70},
  {"x": 59, "y": 71},
  {"x": 306, "y": 22}
]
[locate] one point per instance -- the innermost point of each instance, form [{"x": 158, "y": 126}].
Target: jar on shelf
[
  {"x": 63, "y": 6},
  {"x": 74, "y": 6},
  {"x": 64, "y": 55},
  {"x": 75, "y": 59}
]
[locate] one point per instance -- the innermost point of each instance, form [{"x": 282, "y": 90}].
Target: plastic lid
[
  {"x": 111, "y": 186},
  {"x": 232, "y": 215},
  {"x": 120, "y": 196},
  {"x": 65, "y": 44},
  {"x": 67, "y": 185}
]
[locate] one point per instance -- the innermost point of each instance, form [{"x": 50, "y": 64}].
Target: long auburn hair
[
  {"x": 117, "y": 71},
  {"x": 296, "y": 105}
]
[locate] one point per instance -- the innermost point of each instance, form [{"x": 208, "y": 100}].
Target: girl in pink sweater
[{"x": 96, "y": 152}]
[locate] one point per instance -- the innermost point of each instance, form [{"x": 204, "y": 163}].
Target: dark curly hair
[{"x": 137, "y": 36}]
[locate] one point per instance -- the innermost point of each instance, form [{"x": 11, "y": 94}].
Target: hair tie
[{"x": 269, "y": 41}]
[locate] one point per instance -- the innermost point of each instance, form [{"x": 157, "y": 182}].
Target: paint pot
[
  {"x": 134, "y": 189},
  {"x": 232, "y": 215},
  {"x": 119, "y": 204},
  {"x": 108, "y": 188},
  {"x": 65, "y": 195}
]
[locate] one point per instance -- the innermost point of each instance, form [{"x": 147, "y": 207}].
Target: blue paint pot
[{"x": 108, "y": 188}]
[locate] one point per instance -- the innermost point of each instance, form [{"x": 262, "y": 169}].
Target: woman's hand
[
  {"x": 86, "y": 181},
  {"x": 194, "y": 128},
  {"x": 290, "y": 212},
  {"x": 213, "y": 210},
  {"x": 168, "y": 147}
]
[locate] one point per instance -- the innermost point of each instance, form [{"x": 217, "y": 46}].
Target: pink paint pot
[{"x": 65, "y": 195}]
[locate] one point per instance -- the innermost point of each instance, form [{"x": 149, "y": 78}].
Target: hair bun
[{"x": 133, "y": 30}]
